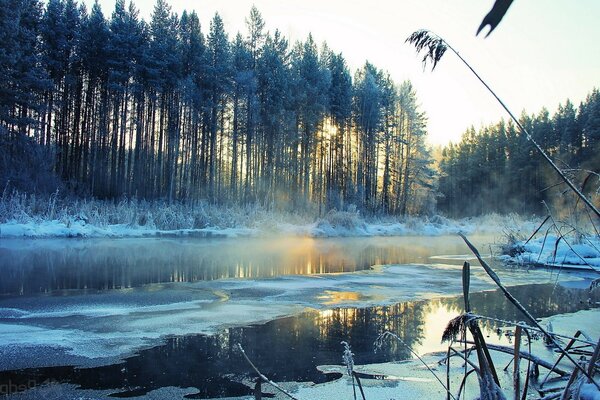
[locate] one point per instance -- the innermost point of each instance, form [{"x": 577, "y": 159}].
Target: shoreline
[
  {"x": 334, "y": 224},
  {"x": 388, "y": 380}
]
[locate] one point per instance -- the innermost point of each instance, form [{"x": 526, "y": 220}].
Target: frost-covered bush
[
  {"x": 22, "y": 208},
  {"x": 343, "y": 219},
  {"x": 439, "y": 220}
]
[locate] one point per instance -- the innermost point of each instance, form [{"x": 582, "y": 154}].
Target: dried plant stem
[
  {"x": 538, "y": 229},
  {"x": 528, "y": 373},
  {"x": 567, "y": 348},
  {"x": 261, "y": 376},
  {"x": 435, "y": 42},
  {"x": 551, "y": 396},
  {"x": 517, "y": 363},
  {"x": 523, "y": 310},
  {"x": 593, "y": 360},
  {"x": 393, "y": 335},
  {"x": 562, "y": 237},
  {"x": 465, "y": 358},
  {"x": 566, "y": 394},
  {"x": 525, "y": 355},
  {"x": 362, "y": 393}
]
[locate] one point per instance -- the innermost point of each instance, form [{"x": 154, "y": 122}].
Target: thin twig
[
  {"x": 538, "y": 229},
  {"x": 390, "y": 334},
  {"x": 261, "y": 376}
]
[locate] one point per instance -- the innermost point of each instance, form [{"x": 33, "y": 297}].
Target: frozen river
[{"x": 132, "y": 316}]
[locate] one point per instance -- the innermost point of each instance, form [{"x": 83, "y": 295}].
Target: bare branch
[{"x": 261, "y": 376}]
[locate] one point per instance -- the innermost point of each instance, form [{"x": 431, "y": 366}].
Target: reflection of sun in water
[
  {"x": 326, "y": 314},
  {"x": 435, "y": 321},
  {"x": 330, "y": 297}
]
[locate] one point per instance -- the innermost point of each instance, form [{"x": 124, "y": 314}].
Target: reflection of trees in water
[
  {"x": 287, "y": 349},
  {"x": 101, "y": 265},
  {"x": 290, "y": 349},
  {"x": 360, "y": 328},
  {"x": 542, "y": 300}
]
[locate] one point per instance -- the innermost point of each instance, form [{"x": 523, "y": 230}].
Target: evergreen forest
[
  {"x": 166, "y": 109},
  {"x": 496, "y": 169},
  {"x": 114, "y": 107}
]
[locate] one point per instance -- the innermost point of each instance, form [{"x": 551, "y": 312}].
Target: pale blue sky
[{"x": 543, "y": 52}]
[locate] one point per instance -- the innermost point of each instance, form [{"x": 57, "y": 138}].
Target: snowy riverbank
[
  {"x": 26, "y": 217},
  {"x": 320, "y": 228},
  {"x": 582, "y": 252}
]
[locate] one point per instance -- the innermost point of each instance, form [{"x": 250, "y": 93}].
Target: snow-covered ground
[
  {"x": 81, "y": 229},
  {"x": 28, "y": 215},
  {"x": 582, "y": 252},
  {"x": 333, "y": 224},
  {"x": 56, "y": 228}
]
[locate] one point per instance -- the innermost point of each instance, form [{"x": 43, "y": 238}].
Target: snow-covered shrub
[
  {"x": 439, "y": 220},
  {"x": 343, "y": 219},
  {"x": 199, "y": 218}
]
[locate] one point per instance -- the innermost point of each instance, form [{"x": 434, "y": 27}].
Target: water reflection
[
  {"x": 290, "y": 348},
  {"x": 42, "y": 266}
]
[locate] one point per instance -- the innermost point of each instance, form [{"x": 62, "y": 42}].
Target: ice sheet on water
[{"x": 116, "y": 323}]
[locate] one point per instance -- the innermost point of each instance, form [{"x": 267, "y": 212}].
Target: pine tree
[
  {"x": 23, "y": 80},
  {"x": 218, "y": 77},
  {"x": 368, "y": 119},
  {"x": 339, "y": 184}
]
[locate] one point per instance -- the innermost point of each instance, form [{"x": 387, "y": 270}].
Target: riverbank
[
  {"x": 54, "y": 217},
  {"x": 579, "y": 251}
]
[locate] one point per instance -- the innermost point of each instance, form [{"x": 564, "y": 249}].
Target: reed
[{"x": 434, "y": 47}]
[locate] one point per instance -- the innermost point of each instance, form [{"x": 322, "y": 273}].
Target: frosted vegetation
[
  {"x": 23, "y": 215},
  {"x": 43, "y": 216},
  {"x": 168, "y": 109}
]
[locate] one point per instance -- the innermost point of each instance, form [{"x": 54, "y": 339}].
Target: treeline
[
  {"x": 498, "y": 170},
  {"x": 159, "y": 110}
]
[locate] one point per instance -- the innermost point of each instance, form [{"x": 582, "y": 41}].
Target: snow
[
  {"x": 60, "y": 229},
  {"x": 340, "y": 224},
  {"x": 582, "y": 252}
]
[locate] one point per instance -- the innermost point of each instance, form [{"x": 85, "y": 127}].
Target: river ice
[{"x": 99, "y": 328}]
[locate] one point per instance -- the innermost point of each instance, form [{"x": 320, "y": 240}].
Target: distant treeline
[
  {"x": 498, "y": 170},
  {"x": 120, "y": 107}
]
